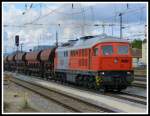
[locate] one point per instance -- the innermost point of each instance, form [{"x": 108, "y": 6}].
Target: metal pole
[
  {"x": 56, "y": 39},
  {"x": 145, "y": 31},
  {"x": 17, "y": 59},
  {"x": 103, "y": 26},
  {"x": 112, "y": 30},
  {"x": 120, "y": 25},
  {"x": 21, "y": 46}
]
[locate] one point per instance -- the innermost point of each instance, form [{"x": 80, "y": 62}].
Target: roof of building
[{"x": 137, "y": 53}]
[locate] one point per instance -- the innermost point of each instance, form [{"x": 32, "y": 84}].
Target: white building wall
[
  {"x": 135, "y": 61},
  {"x": 144, "y": 53}
]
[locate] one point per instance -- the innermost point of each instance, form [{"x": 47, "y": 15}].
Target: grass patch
[
  {"x": 6, "y": 106},
  {"x": 25, "y": 101}
]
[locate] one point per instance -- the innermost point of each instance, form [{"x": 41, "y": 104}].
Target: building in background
[
  {"x": 137, "y": 56},
  {"x": 144, "y": 51}
]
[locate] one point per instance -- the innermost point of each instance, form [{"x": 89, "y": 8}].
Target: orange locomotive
[
  {"x": 92, "y": 61},
  {"x": 96, "y": 62}
]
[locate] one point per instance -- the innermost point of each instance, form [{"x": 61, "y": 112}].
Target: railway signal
[
  {"x": 17, "y": 44},
  {"x": 17, "y": 40}
]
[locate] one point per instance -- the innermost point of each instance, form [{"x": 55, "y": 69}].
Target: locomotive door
[
  {"x": 94, "y": 58},
  {"x": 89, "y": 59}
]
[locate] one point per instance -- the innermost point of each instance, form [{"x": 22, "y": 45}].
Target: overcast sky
[{"x": 37, "y": 23}]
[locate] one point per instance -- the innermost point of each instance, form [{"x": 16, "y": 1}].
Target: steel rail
[{"x": 67, "y": 101}]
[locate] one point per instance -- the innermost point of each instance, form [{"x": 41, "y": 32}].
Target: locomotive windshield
[
  {"x": 122, "y": 49},
  {"x": 107, "y": 50}
]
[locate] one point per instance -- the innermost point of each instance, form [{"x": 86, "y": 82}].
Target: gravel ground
[{"x": 19, "y": 99}]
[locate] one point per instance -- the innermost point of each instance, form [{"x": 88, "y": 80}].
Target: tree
[{"x": 137, "y": 43}]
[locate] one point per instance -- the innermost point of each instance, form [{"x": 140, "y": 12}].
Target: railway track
[
  {"x": 141, "y": 84},
  {"x": 71, "y": 103},
  {"x": 140, "y": 79},
  {"x": 132, "y": 98},
  {"x": 122, "y": 95}
]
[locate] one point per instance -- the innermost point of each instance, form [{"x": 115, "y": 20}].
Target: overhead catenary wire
[
  {"x": 84, "y": 10},
  {"x": 83, "y": 20},
  {"x": 105, "y": 18},
  {"x": 73, "y": 13},
  {"x": 65, "y": 25},
  {"x": 40, "y": 17}
]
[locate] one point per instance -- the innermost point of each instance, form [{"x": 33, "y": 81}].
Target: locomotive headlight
[
  {"x": 102, "y": 73},
  {"x": 128, "y": 73},
  {"x": 115, "y": 61}
]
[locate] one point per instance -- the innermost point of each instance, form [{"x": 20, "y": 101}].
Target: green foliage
[{"x": 137, "y": 43}]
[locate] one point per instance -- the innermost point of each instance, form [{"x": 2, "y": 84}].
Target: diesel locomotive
[{"x": 97, "y": 62}]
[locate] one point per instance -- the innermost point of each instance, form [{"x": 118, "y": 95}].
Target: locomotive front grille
[{"x": 116, "y": 78}]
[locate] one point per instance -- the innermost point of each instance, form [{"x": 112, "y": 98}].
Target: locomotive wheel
[
  {"x": 118, "y": 90},
  {"x": 105, "y": 89},
  {"x": 88, "y": 82},
  {"x": 96, "y": 87},
  {"x": 58, "y": 78},
  {"x": 77, "y": 81},
  {"x": 30, "y": 72},
  {"x": 27, "y": 72},
  {"x": 85, "y": 81},
  {"x": 61, "y": 78},
  {"x": 91, "y": 82},
  {"x": 80, "y": 81},
  {"x": 64, "y": 79}
]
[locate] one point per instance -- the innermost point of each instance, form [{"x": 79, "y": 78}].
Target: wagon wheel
[
  {"x": 95, "y": 86},
  {"x": 106, "y": 89}
]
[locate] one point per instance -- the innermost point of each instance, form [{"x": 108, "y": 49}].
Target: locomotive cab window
[
  {"x": 107, "y": 50},
  {"x": 95, "y": 51},
  {"x": 65, "y": 54},
  {"x": 123, "y": 49}
]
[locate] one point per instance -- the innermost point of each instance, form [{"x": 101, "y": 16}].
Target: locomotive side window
[
  {"x": 76, "y": 53},
  {"x": 71, "y": 53},
  {"x": 65, "y": 53},
  {"x": 82, "y": 52},
  {"x": 85, "y": 52},
  {"x": 95, "y": 51},
  {"x": 107, "y": 50},
  {"x": 123, "y": 49}
]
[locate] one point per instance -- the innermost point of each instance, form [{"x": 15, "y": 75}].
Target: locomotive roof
[{"x": 89, "y": 42}]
